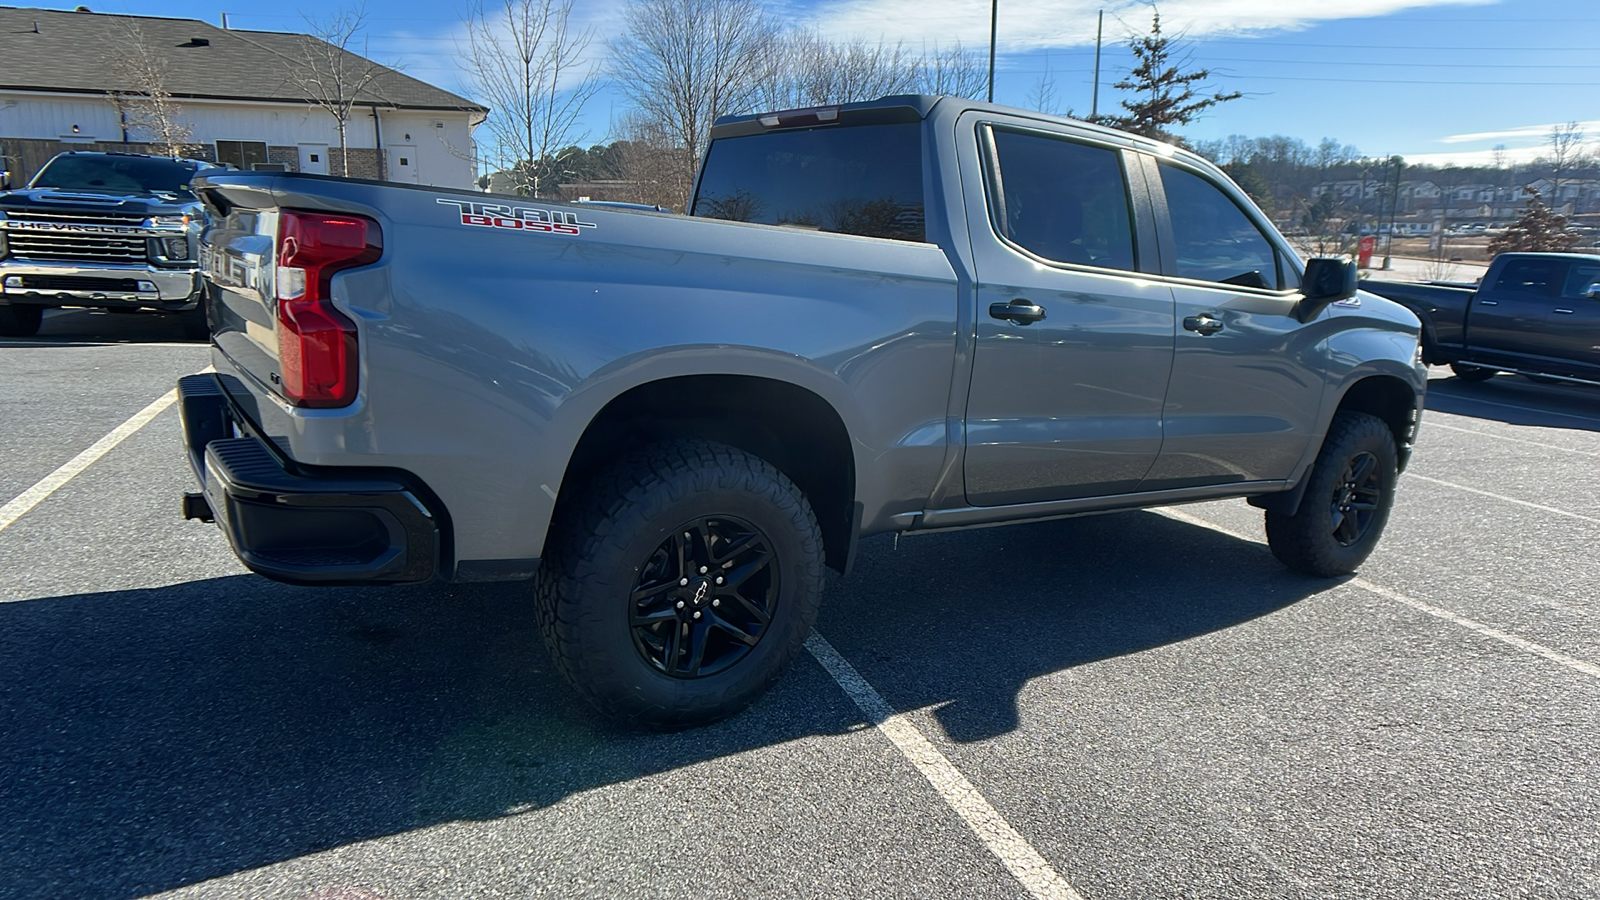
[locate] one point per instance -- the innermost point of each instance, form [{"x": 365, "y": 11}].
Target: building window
[{"x": 241, "y": 154}]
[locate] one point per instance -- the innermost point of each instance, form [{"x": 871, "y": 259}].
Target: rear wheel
[
  {"x": 1471, "y": 373},
  {"x": 680, "y": 584},
  {"x": 20, "y": 321},
  {"x": 1346, "y": 503}
]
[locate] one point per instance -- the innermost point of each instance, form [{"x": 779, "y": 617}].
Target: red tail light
[{"x": 316, "y": 342}]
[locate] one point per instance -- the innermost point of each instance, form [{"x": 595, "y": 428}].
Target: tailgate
[{"x": 269, "y": 276}]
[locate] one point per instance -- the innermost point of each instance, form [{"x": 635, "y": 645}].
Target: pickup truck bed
[{"x": 915, "y": 313}]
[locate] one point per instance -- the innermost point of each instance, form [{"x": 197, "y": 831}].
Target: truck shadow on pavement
[
  {"x": 1517, "y": 401},
  {"x": 151, "y": 739}
]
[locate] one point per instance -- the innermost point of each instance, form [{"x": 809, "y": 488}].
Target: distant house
[{"x": 59, "y": 73}]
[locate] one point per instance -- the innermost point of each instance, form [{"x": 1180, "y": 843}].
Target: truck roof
[{"x": 910, "y": 108}]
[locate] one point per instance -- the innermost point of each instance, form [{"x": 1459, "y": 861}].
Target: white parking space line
[
  {"x": 1501, "y": 437},
  {"x": 1556, "y": 656},
  {"x": 1504, "y": 498},
  {"x": 1038, "y": 877},
  {"x": 28, "y": 499}
]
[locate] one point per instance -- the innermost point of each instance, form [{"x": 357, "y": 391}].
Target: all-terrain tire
[
  {"x": 1472, "y": 374},
  {"x": 608, "y": 543},
  {"x": 20, "y": 321},
  {"x": 1333, "y": 533}
]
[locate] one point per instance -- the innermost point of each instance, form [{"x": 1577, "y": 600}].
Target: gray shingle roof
[{"x": 53, "y": 50}]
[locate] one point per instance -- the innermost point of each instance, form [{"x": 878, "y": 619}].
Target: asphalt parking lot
[{"x": 1142, "y": 705}]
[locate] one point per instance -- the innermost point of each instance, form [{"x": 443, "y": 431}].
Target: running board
[{"x": 1529, "y": 373}]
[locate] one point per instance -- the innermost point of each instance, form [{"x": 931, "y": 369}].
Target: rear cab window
[{"x": 853, "y": 179}]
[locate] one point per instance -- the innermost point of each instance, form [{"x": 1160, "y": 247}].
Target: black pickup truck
[{"x": 1534, "y": 314}]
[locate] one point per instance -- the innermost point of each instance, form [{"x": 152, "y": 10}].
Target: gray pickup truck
[
  {"x": 910, "y": 314},
  {"x": 1535, "y": 314}
]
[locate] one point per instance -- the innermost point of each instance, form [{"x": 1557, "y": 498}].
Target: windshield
[{"x": 116, "y": 175}]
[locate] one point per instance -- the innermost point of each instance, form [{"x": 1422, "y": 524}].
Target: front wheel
[
  {"x": 678, "y": 586},
  {"x": 1346, "y": 503},
  {"x": 20, "y": 321}
]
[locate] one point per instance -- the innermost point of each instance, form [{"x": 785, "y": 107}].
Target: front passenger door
[{"x": 1245, "y": 388}]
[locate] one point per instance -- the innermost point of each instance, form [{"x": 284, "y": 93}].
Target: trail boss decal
[{"x": 518, "y": 218}]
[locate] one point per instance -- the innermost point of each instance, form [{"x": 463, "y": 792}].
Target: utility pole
[
  {"x": 994, "y": 19},
  {"x": 1099, "y": 29}
]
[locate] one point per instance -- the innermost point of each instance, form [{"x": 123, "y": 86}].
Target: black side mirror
[
  {"x": 1592, "y": 291},
  {"x": 1326, "y": 281},
  {"x": 5, "y": 180}
]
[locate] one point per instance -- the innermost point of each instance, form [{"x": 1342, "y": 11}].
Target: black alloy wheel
[
  {"x": 1357, "y": 499},
  {"x": 1349, "y": 493},
  {"x": 704, "y": 598},
  {"x": 679, "y": 582}
]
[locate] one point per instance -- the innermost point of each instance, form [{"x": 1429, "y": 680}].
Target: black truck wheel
[
  {"x": 1346, "y": 502},
  {"x": 20, "y": 321},
  {"x": 680, "y": 584},
  {"x": 1472, "y": 374}
]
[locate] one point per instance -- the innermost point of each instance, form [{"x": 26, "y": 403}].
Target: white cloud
[
  {"x": 1046, "y": 24},
  {"x": 1522, "y": 134}
]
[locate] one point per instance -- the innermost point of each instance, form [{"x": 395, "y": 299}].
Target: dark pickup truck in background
[
  {"x": 111, "y": 230},
  {"x": 1534, "y": 314}
]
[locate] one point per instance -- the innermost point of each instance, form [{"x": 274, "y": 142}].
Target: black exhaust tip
[{"x": 195, "y": 506}]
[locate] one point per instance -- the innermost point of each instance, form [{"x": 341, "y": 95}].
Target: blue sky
[{"x": 1432, "y": 80}]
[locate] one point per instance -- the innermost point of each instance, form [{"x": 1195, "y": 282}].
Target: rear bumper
[
  {"x": 46, "y": 283},
  {"x": 297, "y": 525}
]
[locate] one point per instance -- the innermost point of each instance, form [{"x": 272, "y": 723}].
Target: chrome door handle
[
  {"x": 1488, "y": 302},
  {"x": 1565, "y": 312},
  {"x": 1203, "y": 324}
]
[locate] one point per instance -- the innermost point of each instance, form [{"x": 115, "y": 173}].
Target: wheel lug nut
[
  {"x": 683, "y": 582},
  {"x": 697, "y": 614},
  {"x": 703, "y": 570},
  {"x": 719, "y": 579},
  {"x": 716, "y": 602},
  {"x": 680, "y": 604}
]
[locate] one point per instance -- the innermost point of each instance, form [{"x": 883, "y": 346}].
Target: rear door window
[
  {"x": 1061, "y": 200},
  {"x": 858, "y": 179}
]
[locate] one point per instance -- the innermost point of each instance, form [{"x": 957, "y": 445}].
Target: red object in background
[{"x": 1364, "y": 254}]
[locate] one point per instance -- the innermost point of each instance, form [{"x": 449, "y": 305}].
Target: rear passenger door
[
  {"x": 1246, "y": 390},
  {"x": 1074, "y": 344}
]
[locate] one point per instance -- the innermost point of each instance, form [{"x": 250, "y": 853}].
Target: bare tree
[
  {"x": 684, "y": 63},
  {"x": 953, "y": 71},
  {"x": 807, "y": 69},
  {"x": 525, "y": 59},
  {"x": 1566, "y": 153},
  {"x": 148, "y": 106},
  {"x": 330, "y": 74},
  {"x": 1042, "y": 96},
  {"x": 652, "y": 163}
]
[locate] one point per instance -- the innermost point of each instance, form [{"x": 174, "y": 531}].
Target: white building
[{"x": 59, "y": 71}]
